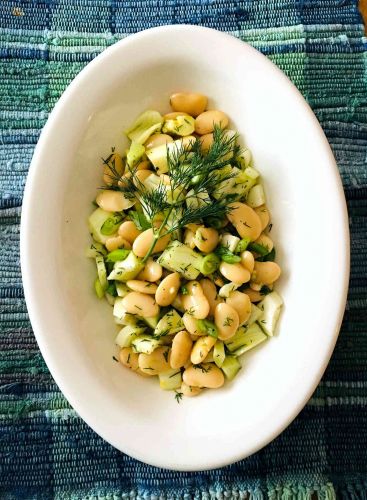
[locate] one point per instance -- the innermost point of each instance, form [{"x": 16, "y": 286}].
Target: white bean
[
  {"x": 245, "y": 220},
  {"x": 181, "y": 349},
  {"x": 152, "y": 271},
  {"x": 201, "y": 349},
  {"x": 241, "y": 303},
  {"x": 206, "y": 375},
  {"x": 140, "y": 304},
  {"x": 168, "y": 289},
  {"x": 142, "y": 286},
  {"x": 226, "y": 320},
  {"x": 143, "y": 242},
  {"x": 234, "y": 272},
  {"x": 206, "y": 121},
  {"x": 195, "y": 302},
  {"x": 129, "y": 231}
]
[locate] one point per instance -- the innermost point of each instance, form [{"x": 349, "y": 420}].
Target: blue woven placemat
[{"x": 46, "y": 451}]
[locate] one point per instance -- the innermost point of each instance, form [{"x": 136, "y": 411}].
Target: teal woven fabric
[{"x": 46, "y": 451}]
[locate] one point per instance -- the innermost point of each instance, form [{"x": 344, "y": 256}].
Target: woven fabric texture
[{"x": 46, "y": 450}]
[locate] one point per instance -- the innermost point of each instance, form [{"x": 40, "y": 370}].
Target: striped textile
[{"x": 46, "y": 451}]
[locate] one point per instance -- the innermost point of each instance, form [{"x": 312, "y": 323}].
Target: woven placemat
[{"x": 46, "y": 451}]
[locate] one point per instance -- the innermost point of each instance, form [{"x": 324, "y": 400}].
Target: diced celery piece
[
  {"x": 182, "y": 259},
  {"x": 169, "y": 324},
  {"x": 209, "y": 358},
  {"x": 252, "y": 173},
  {"x": 219, "y": 353},
  {"x": 111, "y": 225},
  {"x": 122, "y": 289},
  {"x": 256, "y": 196},
  {"x": 182, "y": 125},
  {"x": 101, "y": 271},
  {"x": 197, "y": 200},
  {"x": 229, "y": 241},
  {"x": 226, "y": 289},
  {"x": 245, "y": 339},
  {"x": 144, "y": 126},
  {"x": 126, "y": 269},
  {"x": 127, "y": 334},
  {"x": 230, "y": 367},
  {"x": 145, "y": 344},
  {"x": 98, "y": 289},
  {"x": 255, "y": 315},
  {"x": 96, "y": 221},
  {"x": 270, "y": 307},
  {"x": 158, "y": 155},
  {"x": 170, "y": 380},
  {"x": 121, "y": 316},
  {"x": 134, "y": 154},
  {"x": 95, "y": 249},
  {"x": 151, "y": 322}
]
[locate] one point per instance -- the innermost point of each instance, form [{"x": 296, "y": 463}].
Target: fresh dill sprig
[
  {"x": 178, "y": 396},
  {"x": 192, "y": 175}
]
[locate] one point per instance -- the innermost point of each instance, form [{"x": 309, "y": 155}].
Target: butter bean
[
  {"x": 206, "y": 121},
  {"x": 189, "y": 391},
  {"x": 245, "y": 220},
  {"x": 191, "y": 324},
  {"x": 141, "y": 304},
  {"x": 142, "y": 243},
  {"x": 156, "y": 362},
  {"x": 248, "y": 260},
  {"x": 189, "y": 238},
  {"x": 195, "y": 301},
  {"x": 157, "y": 140},
  {"x": 142, "y": 286},
  {"x": 241, "y": 303},
  {"x": 168, "y": 289},
  {"x": 206, "y": 142},
  {"x": 129, "y": 231},
  {"x": 207, "y": 375},
  {"x": 234, "y": 272},
  {"x": 115, "y": 242},
  {"x": 210, "y": 292},
  {"x": 129, "y": 358},
  {"x": 226, "y": 320},
  {"x": 189, "y": 102},
  {"x": 265, "y": 272},
  {"x": 201, "y": 349},
  {"x": 264, "y": 216},
  {"x": 181, "y": 349},
  {"x": 206, "y": 239},
  {"x": 152, "y": 271}
]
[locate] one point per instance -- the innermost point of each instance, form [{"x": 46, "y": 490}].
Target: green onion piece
[
  {"x": 117, "y": 255},
  {"x": 260, "y": 249},
  {"x": 268, "y": 257},
  {"x": 111, "y": 225},
  {"x": 184, "y": 290},
  {"x": 209, "y": 264},
  {"x": 226, "y": 255},
  {"x": 242, "y": 245},
  {"x": 98, "y": 289},
  {"x": 111, "y": 289},
  {"x": 207, "y": 327}
]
